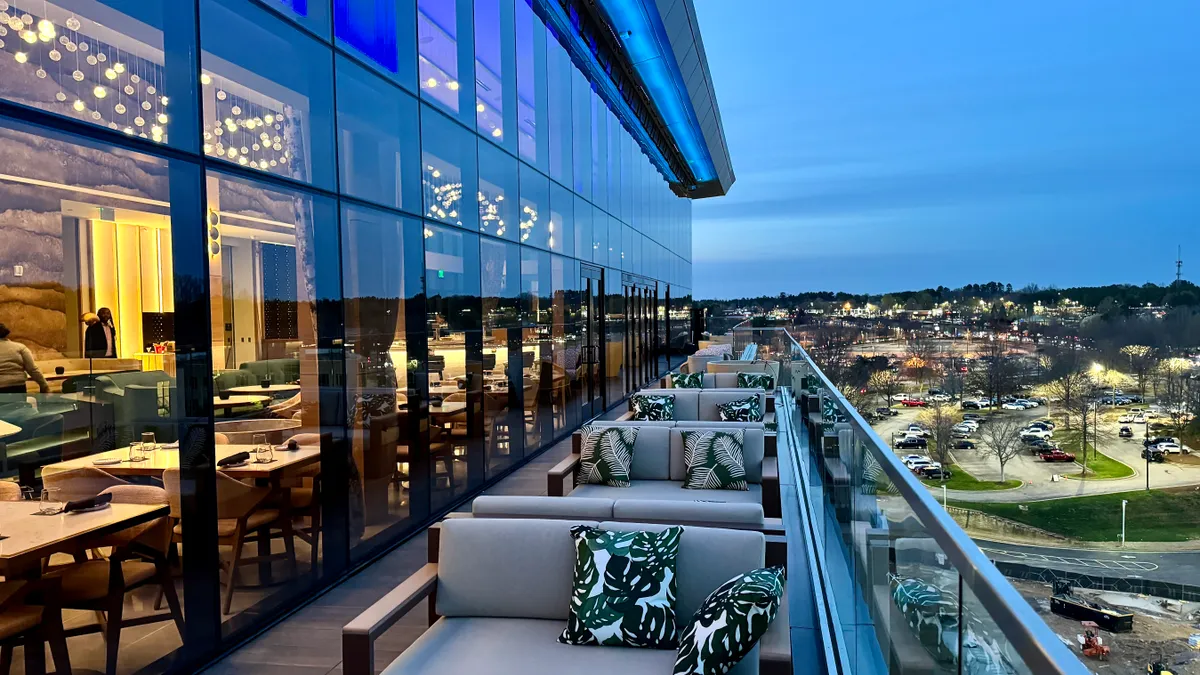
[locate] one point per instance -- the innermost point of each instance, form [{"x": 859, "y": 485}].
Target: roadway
[{"x": 1181, "y": 567}]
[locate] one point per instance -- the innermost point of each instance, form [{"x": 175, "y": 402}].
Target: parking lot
[{"x": 1038, "y": 475}]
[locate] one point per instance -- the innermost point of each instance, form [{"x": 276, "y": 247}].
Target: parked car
[
  {"x": 1125, "y": 432},
  {"x": 917, "y": 465},
  {"x": 1057, "y": 455},
  {"x": 1027, "y": 403},
  {"x": 913, "y": 403},
  {"x": 1154, "y": 454},
  {"x": 976, "y": 417},
  {"x": 964, "y": 444},
  {"x": 1125, "y": 419},
  {"x": 1036, "y": 432},
  {"x": 1139, "y": 419},
  {"x": 886, "y": 412},
  {"x": 1040, "y": 425},
  {"x": 912, "y": 442},
  {"x": 1037, "y": 446},
  {"x": 971, "y": 405},
  {"x": 1013, "y": 406},
  {"x": 1169, "y": 448},
  {"x": 1159, "y": 439},
  {"x": 1047, "y": 423},
  {"x": 906, "y": 458},
  {"x": 916, "y": 429},
  {"x": 934, "y": 472},
  {"x": 941, "y": 398}
]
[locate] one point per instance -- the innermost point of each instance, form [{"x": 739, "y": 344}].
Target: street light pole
[{"x": 1124, "y": 502}]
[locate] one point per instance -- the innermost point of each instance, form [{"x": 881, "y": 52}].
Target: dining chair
[
  {"x": 10, "y": 491},
  {"x": 220, "y": 438},
  {"x": 241, "y": 509},
  {"x": 79, "y": 483},
  {"x": 304, "y": 498},
  {"x": 138, "y": 558},
  {"x": 30, "y": 616}
]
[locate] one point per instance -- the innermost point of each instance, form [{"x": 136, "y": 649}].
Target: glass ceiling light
[{"x": 20, "y": 57}]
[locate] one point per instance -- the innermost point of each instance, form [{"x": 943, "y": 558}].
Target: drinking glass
[
  {"x": 50, "y": 503},
  {"x": 148, "y": 441},
  {"x": 263, "y": 453},
  {"x": 136, "y": 451}
]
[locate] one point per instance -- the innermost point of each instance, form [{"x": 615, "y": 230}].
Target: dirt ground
[{"x": 1159, "y": 633}]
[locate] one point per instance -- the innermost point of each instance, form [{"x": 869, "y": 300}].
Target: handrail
[{"x": 1038, "y": 646}]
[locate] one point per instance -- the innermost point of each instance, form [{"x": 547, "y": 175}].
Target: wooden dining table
[
  {"x": 28, "y": 538},
  {"x": 159, "y": 460},
  {"x": 238, "y": 400},
  {"x": 269, "y": 389}
]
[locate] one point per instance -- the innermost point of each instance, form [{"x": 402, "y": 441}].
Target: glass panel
[
  {"x": 104, "y": 65},
  {"x": 266, "y": 374},
  {"x": 445, "y": 62},
  {"x": 599, "y": 168},
  {"x": 266, "y": 109},
  {"x": 561, "y": 229},
  {"x": 531, "y": 86},
  {"x": 537, "y": 350},
  {"x": 599, "y": 236},
  {"x": 495, "y": 71},
  {"x": 498, "y": 193},
  {"x": 556, "y": 379},
  {"x": 382, "y": 268},
  {"x": 535, "y": 207},
  {"x": 377, "y": 139},
  {"x": 502, "y": 369},
  {"x": 581, "y": 135},
  {"x": 454, "y": 308},
  {"x": 614, "y": 317},
  {"x": 312, "y": 14},
  {"x": 448, "y": 165},
  {"x": 382, "y": 33},
  {"x": 583, "y": 229},
  {"x": 559, "y": 69}
]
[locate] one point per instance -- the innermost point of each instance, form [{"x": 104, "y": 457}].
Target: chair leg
[
  {"x": 35, "y": 654},
  {"x": 289, "y": 544},
  {"x": 233, "y": 565},
  {"x": 53, "y": 628},
  {"x": 6, "y": 659},
  {"x": 167, "y": 588},
  {"x": 112, "y": 636}
]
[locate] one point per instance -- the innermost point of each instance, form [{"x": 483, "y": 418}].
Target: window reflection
[
  {"x": 535, "y": 207},
  {"x": 448, "y": 171},
  {"x": 531, "y": 85},
  {"x": 498, "y": 193},
  {"x": 505, "y": 383},
  {"x": 438, "y": 64}
]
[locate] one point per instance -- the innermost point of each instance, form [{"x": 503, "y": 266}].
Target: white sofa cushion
[{"x": 670, "y": 489}]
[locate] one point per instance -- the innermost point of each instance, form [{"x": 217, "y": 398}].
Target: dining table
[
  {"x": 158, "y": 460},
  {"x": 26, "y": 538},
  {"x": 269, "y": 389},
  {"x": 8, "y": 429},
  {"x": 238, "y": 400}
]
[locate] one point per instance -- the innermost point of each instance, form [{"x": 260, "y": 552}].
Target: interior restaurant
[{"x": 291, "y": 288}]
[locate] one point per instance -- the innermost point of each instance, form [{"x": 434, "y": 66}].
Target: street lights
[{"x": 1124, "y": 503}]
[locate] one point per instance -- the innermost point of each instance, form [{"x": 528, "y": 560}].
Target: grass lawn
[
  {"x": 961, "y": 480},
  {"x": 1099, "y": 465},
  {"x": 1159, "y": 515}
]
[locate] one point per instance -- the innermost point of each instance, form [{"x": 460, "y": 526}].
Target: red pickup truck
[{"x": 1057, "y": 455}]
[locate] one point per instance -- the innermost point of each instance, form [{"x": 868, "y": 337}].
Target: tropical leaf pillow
[
  {"x": 730, "y": 622},
  {"x": 606, "y": 454},
  {"x": 624, "y": 589},
  {"x": 755, "y": 381},
  {"x": 688, "y": 380},
  {"x": 742, "y": 410},
  {"x": 713, "y": 460},
  {"x": 652, "y": 407}
]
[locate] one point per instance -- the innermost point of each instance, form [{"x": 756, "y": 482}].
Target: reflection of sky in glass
[
  {"x": 437, "y": 67},
  {"x": 526, "y": 116},
  {"x": 489, "y": 99}
]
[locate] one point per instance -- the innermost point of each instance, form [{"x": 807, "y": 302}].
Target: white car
[
  {"x": 911, "y": 458},
  {"x": 1125, "y": 419},
  {"x": 1037, "y": 433},
  {"x": 941, "y": 398},
  {"x": 918, "y": 464},
  {"x": 916, "y": 430},
  {"x": 1169, "y": 448},
  {"x": 1013, "y": 405},
  {"x": 969, "y": 423},
  {"x": 1027, "y": 403},
  {"x": 1139, "y": 419}
]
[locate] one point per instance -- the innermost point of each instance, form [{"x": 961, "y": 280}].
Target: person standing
[
  {"x": 16, "y": 362},
  {"x": 100, "y": 338}
]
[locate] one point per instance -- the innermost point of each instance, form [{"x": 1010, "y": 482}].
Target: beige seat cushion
[
  {"x": 669, "y": 489},
  {"x": 227, "y": 526},
  {"x": 87, "y": 581},
  {"x": 301, "y": 497},
  {"x": 487, "y": 646},
  {"x": 17, "y": 620}
]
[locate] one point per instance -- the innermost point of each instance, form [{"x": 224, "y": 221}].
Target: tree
[
  {"x": 886, "y": 384},
  {"x": 1141, "y": 363},
  {"x": 1002, "y": 440},
  {"x": 856, "y": 396},
  {"x": 1068, "y": 387},
  {"x": 831, "y": 349},
  {"x": 940, "y": 421},
  {"x": 1178, "y": 393}
]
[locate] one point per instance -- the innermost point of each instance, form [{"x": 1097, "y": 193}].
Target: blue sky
[{"x": 884, "y": 146}]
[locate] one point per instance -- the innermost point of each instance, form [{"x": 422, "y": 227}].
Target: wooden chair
[
  {"x": 31, "y": 625},
  {"x": 138, "y": 558},
  {"x": 10, "y": 492},
  {"x": 304, "y": 500},
  {"x": 80, "y": 483},
  {"x": 241, "y": 509}
]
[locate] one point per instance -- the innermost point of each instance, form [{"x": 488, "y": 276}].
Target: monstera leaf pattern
[
  {"x": 688, "y": 380},
  {"x": 713, "y": 460},
  {"x": 652, "y": 408},
  {"x": 730, "y": 622},
  {"x": 742, "y": 410},
  {"x": 606, "y": 454},
  {"x": 755, "y": 381},
  {"x": 624, "y": 589}
]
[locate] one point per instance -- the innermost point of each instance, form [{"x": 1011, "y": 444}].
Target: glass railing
[{"x": 901, "y": 585}]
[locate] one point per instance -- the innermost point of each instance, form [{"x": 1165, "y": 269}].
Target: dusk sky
[{"x": 883, "y": 146}]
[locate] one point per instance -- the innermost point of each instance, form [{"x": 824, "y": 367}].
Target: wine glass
[
  {"x": 148, "y": 440},
  {"x": 136, "y": 451},
  {"x": 263, "y": 453},
  {"x": 50, "y": 502}
]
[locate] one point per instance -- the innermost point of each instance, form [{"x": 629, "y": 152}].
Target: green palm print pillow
[
  {"x": 652, "y": 408},
  {"x": 755, "y": 381},
  {"x": 730, "y": 622},
  {"x": 743, "y": 410},
  {"x": 606, "y": 454},
  {"x": 624, "y": 589},
  {"x": 713, "y": 460},
  {"x": 688, "y": 380}
]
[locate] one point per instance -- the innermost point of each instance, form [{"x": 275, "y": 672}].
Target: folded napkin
[
  {"x": 89, "y": 503},
  {"x": 170, "y": 446},
  {"x": 236, "y": 458}
]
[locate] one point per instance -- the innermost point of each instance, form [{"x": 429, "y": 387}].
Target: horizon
[{"x": 933, "y": 144}]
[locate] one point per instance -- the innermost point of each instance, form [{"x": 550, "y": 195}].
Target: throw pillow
[
  {"x": 624, "y": 589},
  {"x": 743, "y": 410},
  {"x": 606, "y": 454},
  {"x": 755, "y": 381},
  {"x": 730, "y": 622},
  {"x": 688, "y": 380},
  {"x": 713, "y": 460},
  {"x": 652, "y": 407}
]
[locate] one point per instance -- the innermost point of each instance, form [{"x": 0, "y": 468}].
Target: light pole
[{"x": 1124, "y": 502}]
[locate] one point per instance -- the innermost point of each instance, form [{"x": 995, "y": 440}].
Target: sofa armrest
[
  {"x": 770, "y": 443},
  {"x": 358, "y": 636},
  {"x": 625, "y": 416},
  {"x": 770, "y": 488},
  {"x": 557, "y": 480}
]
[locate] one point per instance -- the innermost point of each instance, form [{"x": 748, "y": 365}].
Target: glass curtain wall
[{"x": 292, "y": 291}]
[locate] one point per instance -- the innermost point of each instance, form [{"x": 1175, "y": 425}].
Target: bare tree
[
  {"x": 885, "y": 383},
  {"x": 1002, "y": 440},
  {"x": 859, "y": 397},
  {"x": 831, "y": 350},
  {"x": 922, "y": 351},
  {"x": 1141, "y": 363},
  {"x": 1068, "y": 387},
  {"x": 940, "y": 421},
  {"x": 1178, "y": 393}
]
